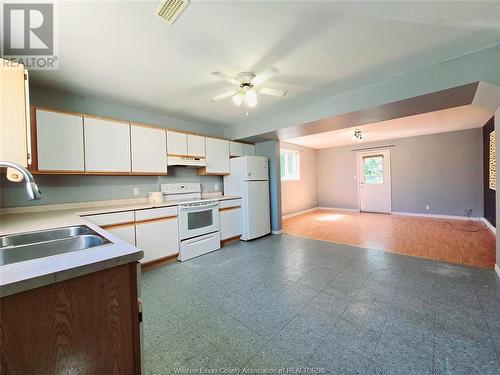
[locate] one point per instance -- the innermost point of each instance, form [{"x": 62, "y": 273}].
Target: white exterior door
[{"x": 374, "y": 181}]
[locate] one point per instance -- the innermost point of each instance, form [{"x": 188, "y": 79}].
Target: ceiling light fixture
[
  {"x": 357, "y": 136},
  {"x": 248, "y": 87},
  {"x": 251, "y": 98},
  {"x": 238, "y": 99}
]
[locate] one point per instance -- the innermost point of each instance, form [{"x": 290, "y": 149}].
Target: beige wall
[
  {"x": 442, "y": 170},
  {"x": 300, "y": 195}
]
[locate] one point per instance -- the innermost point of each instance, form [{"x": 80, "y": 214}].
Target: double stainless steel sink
[{"x": 40, "y": 244}]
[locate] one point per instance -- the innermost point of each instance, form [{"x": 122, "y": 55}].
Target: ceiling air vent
[{"x": 169, "y": 10}]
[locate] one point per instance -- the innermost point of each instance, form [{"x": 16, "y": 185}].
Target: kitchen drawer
[
  {"x": 200, "y": 245},
  {"x": 229, "y": 203},
  {"x": 155, "y": 213},
  {"x": 113, "y": 218}
]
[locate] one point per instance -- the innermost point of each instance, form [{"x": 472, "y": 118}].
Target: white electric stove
[{"x": 199, "y": 230}]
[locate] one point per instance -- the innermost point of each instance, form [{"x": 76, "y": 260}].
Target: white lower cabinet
[
  {"x": 157, "y": 238},
  {"x": 155, "y": 230},
  {"x": 230, "y": 219},
  {"x": 124, "y": 232}
]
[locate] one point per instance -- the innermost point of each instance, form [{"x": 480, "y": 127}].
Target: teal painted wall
[
  {"x": 271, "y": 150},
  {"x": 73, "y": 103},
  {"x": 70, "y": 189}
]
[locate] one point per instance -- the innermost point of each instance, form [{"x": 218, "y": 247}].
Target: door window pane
[{"x": 374, "y": 169}]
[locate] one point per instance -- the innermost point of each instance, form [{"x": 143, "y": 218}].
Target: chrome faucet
[{"x": 31, "y": 186}]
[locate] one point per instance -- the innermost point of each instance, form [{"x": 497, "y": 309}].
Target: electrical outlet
[
  {"x": 427, "y": 207},
  {"x": 216, "y": 187},
  {"x": 136, "y": 191}
]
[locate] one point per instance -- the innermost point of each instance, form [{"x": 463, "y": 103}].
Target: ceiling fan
[{"x": 248, "y": 86}]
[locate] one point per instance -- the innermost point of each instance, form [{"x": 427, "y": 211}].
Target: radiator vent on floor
[{"x": 169, "y": 10}]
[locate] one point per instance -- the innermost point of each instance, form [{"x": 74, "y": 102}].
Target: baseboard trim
[
  {"x": 436, "y": 216},
  {"x": 497, "y": 270},
  {"x": 338, "y": 209},
  {"x": 488, "y": 224},
  {"x": 277, "y": 231},
  {"x": 158, "y": 262},
  {"x": 296, "y": 213}
]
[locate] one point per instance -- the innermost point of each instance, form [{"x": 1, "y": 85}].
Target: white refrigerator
[{"x": 249, "y": 179}]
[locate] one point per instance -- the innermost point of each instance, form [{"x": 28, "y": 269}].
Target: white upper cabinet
[
  {"x": 177, "y": 143},
  {"x": 148, "y": 149},
  {"x": 107, "y": 146},
  {"x": 59, "y": 141},
  {"x": 248, "y": 150},
  {"x": 235, "y": 148},
  {"x": 14, "y": 127},
  {"x": 195, "y": 145},
  {"x": 217, "y": 157}
]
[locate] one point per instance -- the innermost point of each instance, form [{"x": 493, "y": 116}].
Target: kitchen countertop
[{"x": 22, "y": 276}]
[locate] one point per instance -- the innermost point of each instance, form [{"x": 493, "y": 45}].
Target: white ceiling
[
  {"x": 121, "y": 52},
  {"x": 458, "y": 118}
]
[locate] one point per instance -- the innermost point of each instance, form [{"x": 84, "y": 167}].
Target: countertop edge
[{"x": 67, "y": 274}]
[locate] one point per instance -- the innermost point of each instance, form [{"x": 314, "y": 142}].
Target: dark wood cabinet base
[{"x": 85, "y": 325}]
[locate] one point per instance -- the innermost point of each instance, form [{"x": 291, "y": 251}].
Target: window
[
  {"x": 290, "y": 164},
  {"x": 373, "y": 169}
]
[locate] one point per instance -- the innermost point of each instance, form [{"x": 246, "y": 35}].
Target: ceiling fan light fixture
[
  {"x": 251, "y": 98},
  {"x": 238, "y": 99}
]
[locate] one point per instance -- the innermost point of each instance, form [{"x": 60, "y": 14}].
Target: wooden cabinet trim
[
  {"x": 187, "y": 156},
  {"x": 163, "y": 218},
  {"x": 158, "y": 262},
  {"x": 118, "y": 225},
  {"x": 229, "y": 240},
  {"x": 229, "y": 208}
]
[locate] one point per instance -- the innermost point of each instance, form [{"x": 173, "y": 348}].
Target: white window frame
[{"x": 297, "y": 155}]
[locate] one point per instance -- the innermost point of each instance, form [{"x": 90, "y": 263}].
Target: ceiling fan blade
[
  {"x": 227, "y": 78},
  {"x": 265, "y": 75},
  {"x": 225, "y": 95},
  {"x": 273, "y": 92}
]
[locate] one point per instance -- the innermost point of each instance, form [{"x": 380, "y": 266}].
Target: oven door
[{"x": 197, "y": 219}]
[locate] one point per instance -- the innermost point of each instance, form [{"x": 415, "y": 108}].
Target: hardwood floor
[{"x": 454, "y": 241}]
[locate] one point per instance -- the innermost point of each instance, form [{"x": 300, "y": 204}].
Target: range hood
[{"x": 186, "y": 161}]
